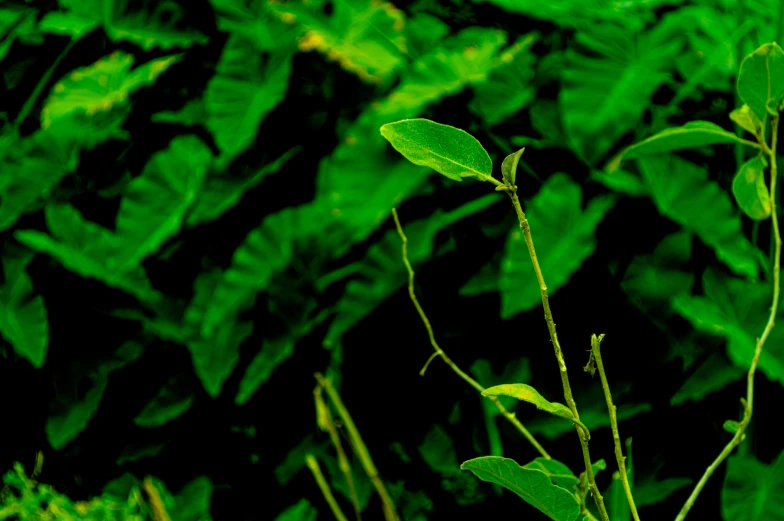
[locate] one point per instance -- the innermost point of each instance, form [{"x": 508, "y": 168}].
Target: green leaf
[
  {"x": 101, "y": 86},
  {"x": 534, "y": 486},
  {"x": 447, "y": 150},
  {"x": 607, "y": 89},
  {"x": 558, "y": 473},
  {"x": 747, "y": 119},
  {"x": 63, "y": 427},
  {"x": 761, "y": 80},
  {"x": 192, "y": 113},
  {"x": 712, "y": 375},
  {"x": 170, "y": 403},
  {"x": 87, "y": 249},
  {"x": 192, "y": 502},
  {"x": 23, "y": 317},
  {"x": 655, "y": 491},
  {"x": 593, "y": 414},
  {"x": 528, "y": 394},
  {"x": 509, "y": 166},
  {"x": 660, "y": 277},
  {"x": 137, "y": 452},
  {"x": 752, "y": 490},
  {"x": 382, "y": 271},
  {"x": 273, "y": 353},
  {"x": 682, "y": 192},
  {"x": 694, "y": 134},
  {"x": 300, "y": 511},
  {"x": 154, "y": 205},
  {"x": 737, "y": 310},
  {"x": 620, "y": 181},
  {"x": 247, "y": 86},
  {"x": 750, "y": 190},
  {"x": 564, "y": 235},
  {"x": 438, "y": 451}
]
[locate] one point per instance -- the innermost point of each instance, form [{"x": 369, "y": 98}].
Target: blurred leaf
[
  {"x": 247, "y": 86},
  {"x": 23, "y": 318},
  {"x": 712, "y": 375},
  {"x": 273, "y": 353},
  {"x": 382, "y": 271},
  {"x": 63, "y": 427},
  {"x": 606, "y": 92},
  {"x": 683, "y": 192},
  {"x": 192, "y": 113},
  {"x": 534, "y": 486},
  {"x": 660, "y": 276},
  {"x": 438, "y": 451},
  {"x": 192, "y": 502},
  {"x": 255, "y": 22},
  {"x": 737, "y": 310},
  {"x": 752, "y": 490},
  {"x": 564, "y": 235},
  {"x": 87, "y": 249},
  {"x": 518, "y": 370},
  {"x": 621, "y": 181},
  {"x": 170, "y": 403},
  {"x": 422, "y": 31},
  {"x": 101, "y": 86},
  {"x": 447, "y": 150},
  {"x": 568, "y": 13},
  {"x": 528, "y": 394},
  {"x": 750, "y": 190},
  {"x": 761, "y": 80},
  {"x": 154, "y": 205},
  {"x": 300, "y": 511},
  {"x": 133, "y": 453}
]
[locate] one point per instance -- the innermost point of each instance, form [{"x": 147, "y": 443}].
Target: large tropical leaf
[
  {"x": 256, "y": 22},
  {"x": 605, "y": 94},
  {"x": 657, "y": 278},
  {"x": 382, "y": 271},
  {"x": 23, "y": 317},
  {"x": 564, "y": 235},
  {"x": 248, "y": 84},
  {"x": 752, "y": 490},
  {"x": 154, "y": 205}
]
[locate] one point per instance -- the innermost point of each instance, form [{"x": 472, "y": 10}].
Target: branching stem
[
  {"x": 748, "y": 403},
  {"x": 448, "y": 361}
]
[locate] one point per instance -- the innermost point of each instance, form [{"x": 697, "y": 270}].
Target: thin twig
[
  {"x": 548, "y": 316},
  {"x": 448, "y": 361},
  {"x": 620, "y": 458},
  {"x": 313, "y": 465},
  {"x": 748, "y": 403},
  {"x": 327, "y": 423},
  {"x": 390, "y": 514}
]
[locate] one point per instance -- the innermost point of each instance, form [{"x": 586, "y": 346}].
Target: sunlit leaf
[
  {"x": 247, "y": 86},
  {"x": 654, "y": 491},
  {"x": 63, "y": 427},
  {"x": 752, "y": 490},
  {"x": 23, "y": 318},
  {"x": 534, "y": 486},
  {"x": 528, "y": 394},
  {"x": 761, "y": 80},
  {"x": 750, "y": 190},
  {"x": 438, "y": 451},
  {"x": 712, "y": 375},
  {"x": 447, "y": 150},
  {"x": 564, "y": 235}
]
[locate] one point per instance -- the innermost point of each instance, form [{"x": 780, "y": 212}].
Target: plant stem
[
  {"x": 548, "y": 316},
  {"x": 748, "y": 403},
  {"x": 390, "y": 514},
  {"x": 313, "y": 465},
  {"x": 448, "y": 361},
  {"x": 597, "y": 356},
  {"x": 326, "y": 422}
]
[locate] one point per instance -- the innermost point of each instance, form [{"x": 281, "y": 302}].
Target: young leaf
[
  {"x": 752, "y": 490},
  {"x": 761, "y": 80},
  {"x": 247, "y": 86},
  {"x": 447, "y": 150},
  {"x": 565, "y": 236},
  {"x": 750, "y": 190},
  {"x": 694, "y": 134},
  {"x": 154, "y": 205},
  {"x": 23, "y": 317},
  {"x": 747, "y": 119},
  {"x": 528, "y": 394},
  {"x": 682, "y": 192},
  {"x": 534, "y": 486},
  {"x": 509, "y": 166}
]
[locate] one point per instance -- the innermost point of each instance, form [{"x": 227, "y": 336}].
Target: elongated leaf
[
  {"x": 247, "y": 86},
  {"x": 694, "y": 134},
  {"x": 154, "y": 204},
  {"x": 62, "y": 428},
  {"x": 272, "y": 354},
  {"x": 447, "y": 150},
  {"x": 382, "y": 272},
  {"x": 750, "y": 190},
  {"x": 564, "y": 235},
  {"x": 169, "y": 404},
  {"x": 528, "y": 394},
  {"x": 23, "y": 317},
  {"x": 752, "y": 490},
  {"x": 654, "y": 491},
  {"x": 682, "y": 192},
  {"x": 534, "y": 486},
  {"x": 101, "y": 86},
  {"x": 87, "y": 249},
  {"x": 300, "y": 511},
  {"x": 509, "y": 166},
  {"x": 761, "y": 80},
  {"x": 712, "y": 375}
]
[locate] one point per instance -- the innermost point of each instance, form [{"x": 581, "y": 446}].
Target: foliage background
[{"x": 244, "y": 194}]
